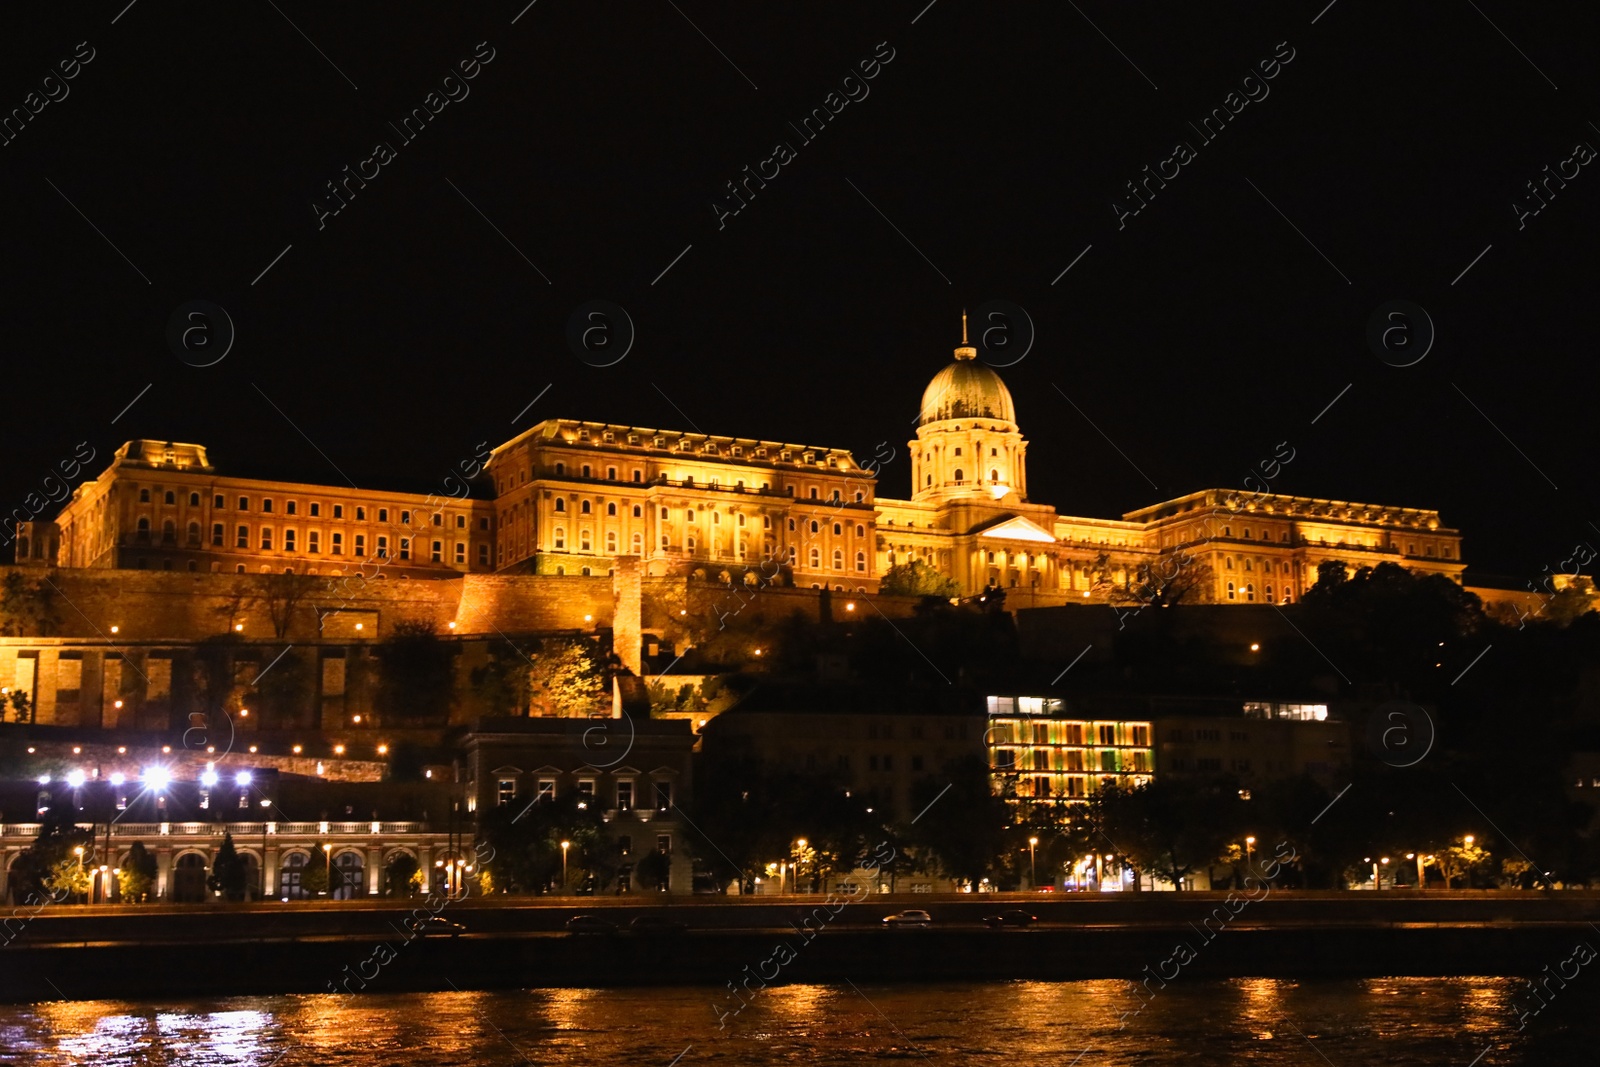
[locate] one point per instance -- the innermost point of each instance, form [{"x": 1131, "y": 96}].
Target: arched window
[
  {"x": 345, "y": 880},
  {"x": 814, "y": 526},
  {"x": 861, "y": 531},
  {"x": 1249, "y": 591},
  {"x": 861, "y": 561},
  {"x": 583, "y": 507},
  {"x": 611, "y": 509},
  {"x": 1247, "y": 566},
  {"x": 1269, "y": 592},
  {"x": 838, "y": 559},
  {"x": 294, "y": 864},
  {"x": 638, "y": 544},
  {"x": 583, "y": 541},
  {"x": 194, "y": 533},
  {"x": 837, "y": 529},
  {"x": 816, "y": 558},
  {"x": 638, "y": 512},
  {"x": 561, "y": 538},
  {"x": 959, "y": 474},
  {"x": 611, "y": 542},
  {"x": 561, "y": 505},
  {"x": 994, "y": 476},
  {"x": 741, "y": 519},
  {"x": 1227, "y": 563},
  {"x": 1231, "y": 594}
]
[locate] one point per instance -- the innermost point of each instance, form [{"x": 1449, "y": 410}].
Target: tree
[
  {"x": 965, "y": 826},
  {"x": 314, "y": 875},
  {"x": 281, "y": 595},
  {"x": 416, "y": 676},
  {"x": 27, "y": 608},
  {"x": 569, "y": 678},
  {"x": 21, "y": 707},
  {"x": 137, "y": 879},
  {"x": 654, "y": 870},
  {"x": 1168, "y": 581},
  {"x": 228, "y": 871},
  {"x": 402, "y": 875},
  {"x": 916, "y": 578},
  {"x": 526, "y": 837},
  {"x": 41, "y": 868},
  {"x": 1171, "y": 826},
  {"x": 502, "y": 683},
  {"x": 68, "y": 877}
]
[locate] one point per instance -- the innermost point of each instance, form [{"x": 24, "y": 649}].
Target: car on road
[
  {"x": 909, "y": 917},
  {"x": 590, "y": 924},
  {"x": 1009, "y": 917},
  {"x": 656, "y": 924},
  {"x": 436, "y": 926}
]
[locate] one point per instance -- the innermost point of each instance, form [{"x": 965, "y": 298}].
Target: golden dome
[{"x": 967, "y": 389}]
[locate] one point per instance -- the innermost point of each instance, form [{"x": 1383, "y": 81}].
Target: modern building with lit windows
[{"x": 1042, "y": 752}]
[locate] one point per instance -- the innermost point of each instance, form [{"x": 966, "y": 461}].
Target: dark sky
[{"x": 986, "y": 156}]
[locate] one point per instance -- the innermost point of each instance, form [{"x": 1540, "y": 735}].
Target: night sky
[{"x": 584, "y": 160}]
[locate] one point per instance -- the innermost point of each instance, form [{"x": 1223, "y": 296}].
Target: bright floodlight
[
  {"x": 242, "y": 778},
  {"x": 117, "y": 779},
  {"x": 208, "y": 778},
  {"x": 75, "y": 778},
  {"x": 156, "y": 778},
  {"x": 44, "y": 779}
]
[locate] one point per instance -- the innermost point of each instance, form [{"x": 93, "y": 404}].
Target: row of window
[
  {"x": 1248, "y": 593},
  {"x": 263, "y": 539},
  {"x": 290, "y": 507},
  {"x": 506, "y": 792}
]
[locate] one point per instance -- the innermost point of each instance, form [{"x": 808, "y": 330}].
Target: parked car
[
  {"x": 1010, "y": 917},
  {"x": 436, "y": 926},
  {"x": 909, "y": 917},
  {"x": 590, "y": 924},
  {"x": 656, "y": 924}
]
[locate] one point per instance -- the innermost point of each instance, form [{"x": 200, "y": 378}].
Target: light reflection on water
[{"x": 1400, "y": 1021}]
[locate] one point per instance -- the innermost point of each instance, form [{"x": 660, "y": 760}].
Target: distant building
[
  {"x": 637, "y": 773},
  {"x": 874, "y": 741},
  {"x": 568, "y": 497},
  {"x": 1258, "y": 742}
]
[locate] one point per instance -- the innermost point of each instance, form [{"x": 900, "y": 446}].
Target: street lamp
[
  {"x": 564, "y": 846},
  {"x": 1033, "y": 870},
  {"x": 265, "y": 803},
  {"x": 1249, "y": 843},
  {"x": 800, "y": 844}
]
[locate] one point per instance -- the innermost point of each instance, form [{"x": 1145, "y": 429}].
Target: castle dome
[{"x": 966, "y": 389}]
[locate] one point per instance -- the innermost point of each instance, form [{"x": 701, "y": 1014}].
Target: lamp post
[
  {"x": 1249, "y": 843},
  {"x": 794, "y": 867},
  {"x": 1033, "y": 870},
  {"x": 265, "y": 803},
  {"x": 564, "y": 846}
]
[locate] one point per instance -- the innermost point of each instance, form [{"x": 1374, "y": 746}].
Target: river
[{"x": 1394, "y": 1021}]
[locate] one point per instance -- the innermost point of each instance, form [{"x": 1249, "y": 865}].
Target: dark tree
[
  {"x": 400, "y": 875},
  {"x": 228, "y": 871},
  {"x": 416, "y": 676},
  {"x": 963, "y": 824}
]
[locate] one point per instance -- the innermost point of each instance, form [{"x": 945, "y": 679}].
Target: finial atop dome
[{"x": 966, "y": 351}]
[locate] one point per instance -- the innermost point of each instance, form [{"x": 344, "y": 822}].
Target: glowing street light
[
  {"x": 1249, "y": 843},
  {"x": 209, "y": 777},
  {"x": 156, "y": 778},
  {"x": 564, "y": 847},
  {"x": 242, "y": 779},
  {"x": 1033, "y": 871},
  {"x": 75, "y": 779}
]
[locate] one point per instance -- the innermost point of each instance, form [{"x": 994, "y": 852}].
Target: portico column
[
  {"x": 163, "y": 873},
  {"x": 374, "y": 870}
]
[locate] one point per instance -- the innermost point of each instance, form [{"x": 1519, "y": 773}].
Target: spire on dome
[{"x": 966, "y": 351}]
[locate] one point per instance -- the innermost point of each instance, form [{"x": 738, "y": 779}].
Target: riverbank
[{"x": 362, "y": 948}]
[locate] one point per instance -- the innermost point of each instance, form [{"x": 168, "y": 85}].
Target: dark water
[{"x": 1458, "y": 1021}]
